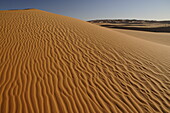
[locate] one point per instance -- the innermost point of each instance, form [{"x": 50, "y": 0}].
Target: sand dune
[
  {"x": 160, "y": 38},
  {"x": 55, "y": 64}
]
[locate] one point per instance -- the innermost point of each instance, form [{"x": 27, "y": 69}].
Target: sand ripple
[{"x": 52, "y": 63}]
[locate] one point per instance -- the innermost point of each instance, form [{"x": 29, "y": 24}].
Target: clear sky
[{"x": 97, "y": 9}]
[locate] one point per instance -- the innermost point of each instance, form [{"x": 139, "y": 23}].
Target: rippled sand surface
[{"x": 55, "y": 64}]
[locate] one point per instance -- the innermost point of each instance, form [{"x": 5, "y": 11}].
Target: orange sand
[{"x": 55, "y": 64}]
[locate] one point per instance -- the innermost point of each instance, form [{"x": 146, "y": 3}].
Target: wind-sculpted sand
[{"x": 55, "y": 64}]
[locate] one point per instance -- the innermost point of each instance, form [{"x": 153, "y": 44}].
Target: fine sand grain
[{"x": 55, "y": 64}]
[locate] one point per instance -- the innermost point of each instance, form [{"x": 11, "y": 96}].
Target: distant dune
[
  {"x": 140, "y": 25},
  {"x": 129, "y": 21},
  {"x": 56, "y": 64}
]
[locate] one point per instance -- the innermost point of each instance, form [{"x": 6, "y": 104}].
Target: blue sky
[{"x": 97, "y": 9}]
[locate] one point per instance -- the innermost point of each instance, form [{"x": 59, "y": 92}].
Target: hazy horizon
[{"x": 98, "y": 9}]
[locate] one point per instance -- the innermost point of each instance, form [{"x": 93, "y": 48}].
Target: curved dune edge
[{"x": 52, "y": 63}]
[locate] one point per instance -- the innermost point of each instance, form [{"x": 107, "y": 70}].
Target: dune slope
[
  {"x": 52, "y": 63},
  {"x": 160, "y": 38}
]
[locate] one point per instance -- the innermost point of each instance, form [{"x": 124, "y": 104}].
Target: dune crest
[{"x": 56, "y": 64}]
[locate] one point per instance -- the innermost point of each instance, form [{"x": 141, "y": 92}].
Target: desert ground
[
  {"x": 51, "y": 63},
  {"x": 139, "y": 25}
]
